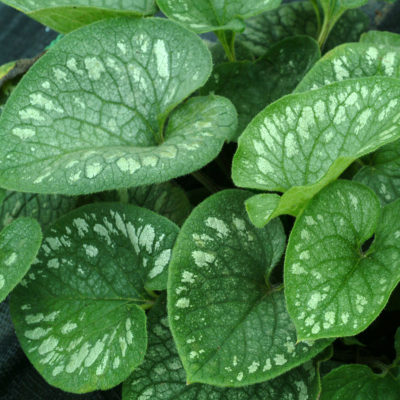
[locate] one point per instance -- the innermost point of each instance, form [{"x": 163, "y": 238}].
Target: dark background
[{"x": 21, "y": 37}]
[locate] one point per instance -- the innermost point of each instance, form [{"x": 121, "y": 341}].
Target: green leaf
[
  {"x": 87, "y": 119},
  {"x": 19, "y": 244},
  {"x": 356, "y": 60},
  {"x": 45, "y": 208},
  {"x": 161, "y": 376},
  {"x": 79, "y": 315},
  {"x": 352, "y": 60},
  {"x": 212, "y": 15},
  {"x": 334, "y": 286},
  {"x": 251, "y": 86},
  {"x": 382, "y": 174},
  {"x": 298, "y": 18},
  {"x": 358, "y": 382},
  {"x": 380, "y": 38},
  {"x": 66, "y": 15},
  {"x": 229, "y": 322},
  {"x": 303, "y": 141}
]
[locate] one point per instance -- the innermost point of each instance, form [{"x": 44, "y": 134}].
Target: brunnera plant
[{"x": 153, "y": 270}]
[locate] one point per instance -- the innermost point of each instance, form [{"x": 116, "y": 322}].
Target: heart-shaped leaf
[
  {"x": 334, "y": 284},
  {"x": 45, "y": 208},
  {"x": 229, "y": 322},
  {"x": 358, "y": 60},
  {"x": 91, "y": 118},
  {"x": 379, "y": 38},
  {"x": 303, "y": 141},
  {"x": 161, "y": 376},
  {"x": 358, "y": 382},
  {"x": 79, "y": 314},
  {"x": 353, "y": 60},
  {"x": 67, "y": 15},
  {"x": 213, "y": 15},
  {"x": 251, "y": 86},
  {"x": 19, "y": 244},
  {"x": 298, "y": 18}
]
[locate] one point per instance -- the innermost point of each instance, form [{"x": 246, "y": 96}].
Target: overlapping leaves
[
  {"x": 303, "y": 141},
  {"x": 376, "y": 55},
  {"x": 90, "y": 119}
]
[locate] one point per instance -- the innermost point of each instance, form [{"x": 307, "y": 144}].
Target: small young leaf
[
  {"x": 251, "y": 86},
  {"x": 68, "y": 15},
  {"x": 19, "y": 244},
  {"x": 45, "y": 208},
  {"x": 334, "y": 286},
  {"x": 229, "y": 323},
  {"x": 161, "y": 376},
  {"x": 298, "y": 18},
  {"x": 87, "y": 119},
  {"x": 303, "y": 141},
  {"x": 352, "y": 60},
  {"x": 360, "y": 383},
  {"x": 379, "y": 38},
  {"x": 79, "y": 314},
  {"x": 212, "y": 15}
]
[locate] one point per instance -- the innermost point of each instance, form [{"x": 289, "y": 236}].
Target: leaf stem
[
  {"x": 327, "y": 26},
  {"x": 314, "y": 3},
  {"x": 228, "y": 47},
  {"x": 206, "y": 181}
]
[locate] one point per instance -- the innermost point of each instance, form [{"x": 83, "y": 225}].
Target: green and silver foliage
[
  {"x": 251, "y": 86},
  {"x": 333, "y": 286},
  {"x": 359, "y": 382},
  {"x": 161, "y": 376},
  {"x": 357, "y": 60},
  {"x": 79, "y": 315},
  {"x": 380, "y": 38},
  {"x": 44, "y": 208},
  {"x": 352, "y": 60},
  {"x": 213, "y": 15},
  {"x": 298, "y": 18},
  {"x": 303, "y": 141},
  {"x": 87, "y": 119},
  {"x": 67, "y": 15},
  {"x": 19, "y": 244},
  {"x": 229, "y": 322}
]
